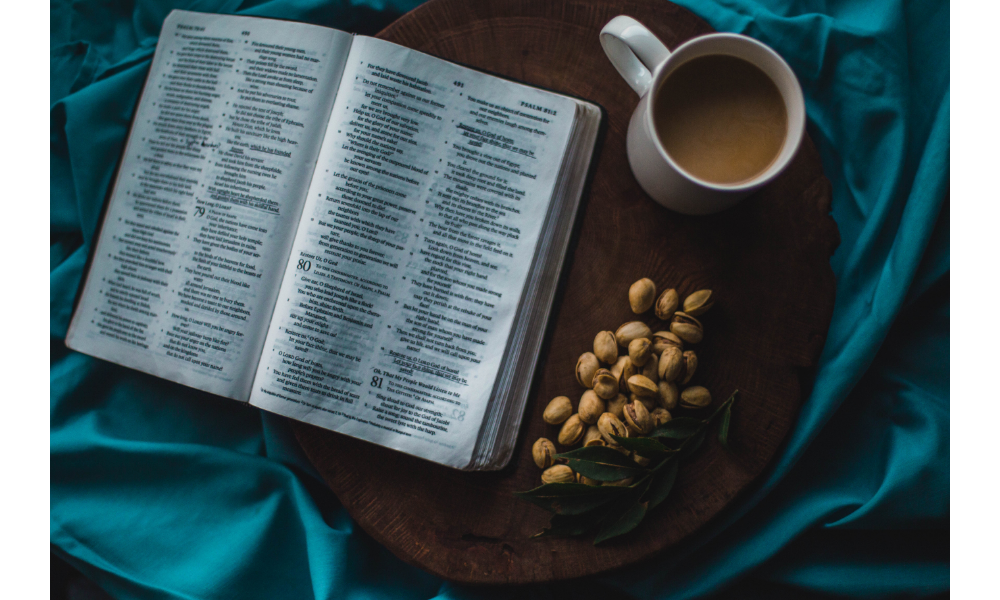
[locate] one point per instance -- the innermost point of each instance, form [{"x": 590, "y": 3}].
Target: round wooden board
[{"x": 767, "y": 260}]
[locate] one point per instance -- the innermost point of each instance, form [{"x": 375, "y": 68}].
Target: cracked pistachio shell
[
  {"x": 558, "y": 410},
  {"x": 627, "y": 371},
  {"x": 610, "y": 425},
  {"x": 616, "y": 405},
  {"x": 605, "y": 385},
  {"x": 651, "y": 368},
  {"x": 687, "y": 328},
  {"x": 695, "y": 397},
  {"x": 637, "y": 417},
  {"x": 587, "y": 480},
  {"x": 641, "y": 295},
  {"x": 606, "y": 347},
  {"x": 662, "y": 339},
  {"x": 591, "y": 407},
  {"x": 698, "y": 303},
  {"x": 586, "y": 366},
  {"x": 640, "y": 385},
  {"x": 642, "y": 461},
  {"x": 667, "y": 395},
  {"x": 660, "y": 416},
  {"x": 690, "y": 366},
  {"x": 592, "y": 437},
  {"x": 666, "y": 304},
  {"x": 630, "y": 331},
  {"x": 544, "y": 453},
  {"x": 558, "y": 474},
  {"x": 571, "y": 432},
  {"x": 639, "y": 351},
  {"x": 671, "y": 363}
]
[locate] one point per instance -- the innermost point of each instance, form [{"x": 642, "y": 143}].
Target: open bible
[{"x": 340, "y": 230}]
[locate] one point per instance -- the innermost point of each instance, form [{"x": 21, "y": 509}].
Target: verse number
[
  {"x": 304, "y": 265},
  {"x": 458, "y": 84},
  {"x": 376, "y": 382},
  {"x": 199, "y": 211}
]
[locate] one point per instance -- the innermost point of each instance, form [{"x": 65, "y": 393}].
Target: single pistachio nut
[
  {"x": 544, "y": 453},
  {"x": 639, "y": 351},
  {"x": 690, "y": 366},
  {"x": 606, "y": 347},
  {"x": 651, "y": 368},
  {"x": 641, "y": 295},
  {"x": 571, "y": 432},
  {"x": 637, "y": 418},
  {"x": 558, "y": 410},
  {"x": 660, "y": 416},
  {"x": 610, "y": 425},
  {"x": 621, "y": 482},
  {"x": 616, "y": 405},
  {"x": 671, "y": 363},
  {"x": 617, "y": 367},
  {"x": 592, "y": 435},
  {"x": 627, "y": 371},
  {"x": 642, "y": 461},
  {"x": 558, "y": 474},
  {"x": 667, "y": 394},
  {"x": 666, "y": 304},
  {"x": 662, "y": 339},
  {"x": 698, "y": 303},
  {"x": 605, "y": 385},
  {"x": 587, "y": 480},
  {"x": 640, "y": 385},
  {"x": 586, "y": 366},
  {"x": 630, "y": 331},
  {"x": 687, "y": 328},
  {"x": 591, "y": 407},
  {"x": 695, "y": 397}
]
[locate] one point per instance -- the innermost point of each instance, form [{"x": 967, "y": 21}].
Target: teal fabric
[{"x": 160, "y": 492}]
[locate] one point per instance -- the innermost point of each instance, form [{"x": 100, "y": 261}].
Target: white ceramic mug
[{"x": 644, "y": 62}]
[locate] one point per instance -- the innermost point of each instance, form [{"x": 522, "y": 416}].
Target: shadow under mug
[{"x": 644, "y": 62}]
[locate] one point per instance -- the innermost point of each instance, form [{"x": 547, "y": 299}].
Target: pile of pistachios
[
  {"x": 623, "y": 444},
  {"x": 633, "y": 377}
]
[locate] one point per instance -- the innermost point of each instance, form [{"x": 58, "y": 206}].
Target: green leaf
[
  {"x": 602, "y": 463},
  {"x": 678, "y": 429},
  {"x": 569, "y": 525},
  {"x": 605, "y": 471},
  {"x": 601, "y": 454},
  {"x": 692, "y": 445},
  {"x": 663, "y": 482},
  {"x": 621, "y": 519},
  {"x": 643, "y": 446},
  {"x": 724, "y": 426},
  {"x": 570, "y": 498}
]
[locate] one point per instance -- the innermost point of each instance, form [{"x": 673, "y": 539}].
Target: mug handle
[{"x": 634, "y": 51}]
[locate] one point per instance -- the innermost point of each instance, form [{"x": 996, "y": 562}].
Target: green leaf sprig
[{"x": 613, "y": 510}]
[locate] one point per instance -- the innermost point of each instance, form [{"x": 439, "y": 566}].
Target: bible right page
[{"x": 415, "y": 242}]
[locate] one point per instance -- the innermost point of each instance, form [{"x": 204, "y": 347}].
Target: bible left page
[{"x": 207, "y": 199}]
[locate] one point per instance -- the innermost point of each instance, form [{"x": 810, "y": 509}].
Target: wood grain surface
[{"x": 767, "y": 260}]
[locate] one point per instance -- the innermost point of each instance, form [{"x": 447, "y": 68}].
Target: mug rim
[{"x": 794, "y": 135}]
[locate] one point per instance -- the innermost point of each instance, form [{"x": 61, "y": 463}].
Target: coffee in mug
[{"x": 720, "y": 118}]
